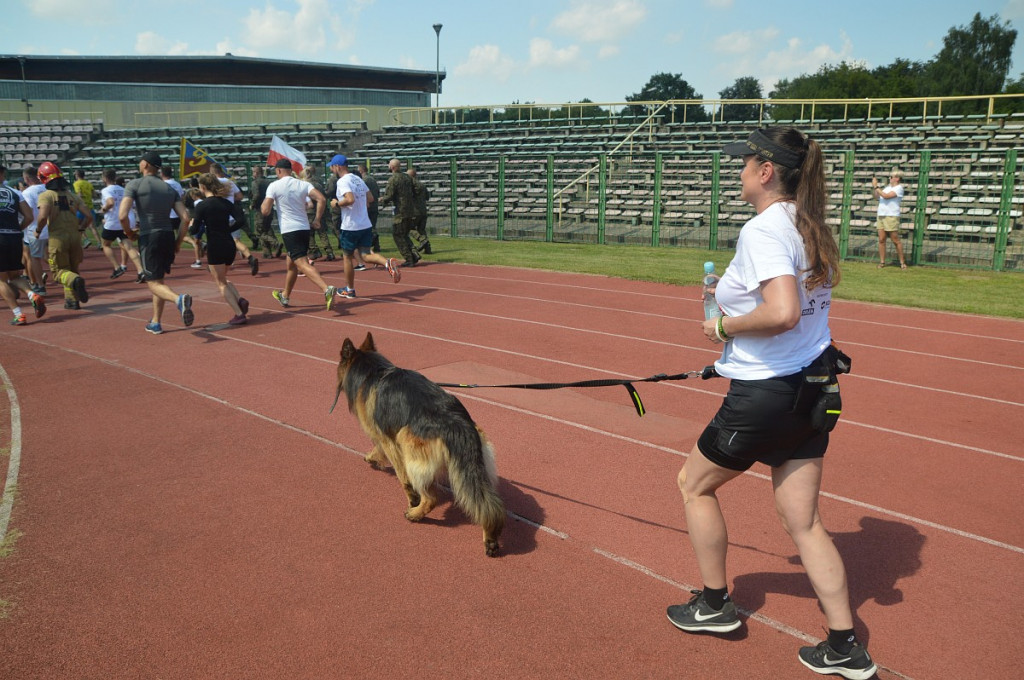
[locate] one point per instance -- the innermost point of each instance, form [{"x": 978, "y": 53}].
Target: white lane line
[
  {"x": 676, "y": 298},
  {"x": 14, "y": 458},
  {"x": 579, "y": 426}
]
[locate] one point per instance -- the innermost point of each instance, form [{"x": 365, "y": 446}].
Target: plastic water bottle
[{"x": 711, "y": 309}]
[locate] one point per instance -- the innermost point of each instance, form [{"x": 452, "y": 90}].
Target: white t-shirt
[
  {"x": 770, "y": 246},
  {"x": 890, "y": 207},
  {"x": 354, "y": 217},
  {"x": 233, "y": 189},
  {"x": 31, "y": 196},
  {"x": 111, "y": 219},
  {"x": 173, "y": 183},
  {"x": 289, "y": 194}
]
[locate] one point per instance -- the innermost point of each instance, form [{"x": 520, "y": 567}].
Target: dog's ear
[
  {"x": 368, "y": 345},
  {"x": 347, "y": 350}
]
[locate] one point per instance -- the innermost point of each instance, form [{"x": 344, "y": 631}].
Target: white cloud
[
  {"x": 608, "y": 51},
  {"x": 600, "y": 20},
  {"x": 1013, "y": 11},
  {"x": 313, "y": 28},
  {"x": 91, "y": 13},
  {"x": 486, "y": 61},
  {"x": 743, "y": 42},
  {"x": 752, "y": 53},
  {"x": 152, "y": 43},
  {"x": 543, "y": 54}
]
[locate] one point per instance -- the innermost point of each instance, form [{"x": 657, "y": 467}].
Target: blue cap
[
  {"x": 339, "y": 159},
  {"x": 709, "y": 267}
]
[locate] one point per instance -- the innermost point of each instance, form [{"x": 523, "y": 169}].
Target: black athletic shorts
[
  {"x": 11, "y": 251},
  {"x": 756, "y": 423},
  {"x": 220, "y": 248},
  {"x": 157, "y": 252},
  {"x": 111, "y": 234},
  {"x": 296, "y": 243}
]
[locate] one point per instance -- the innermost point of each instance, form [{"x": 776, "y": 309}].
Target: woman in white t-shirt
[
  {"x": 888, "y": 222},
  {"x": 775, "y": 295}
]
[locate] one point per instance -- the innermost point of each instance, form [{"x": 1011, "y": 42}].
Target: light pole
[{"x": 437, "y": 74}]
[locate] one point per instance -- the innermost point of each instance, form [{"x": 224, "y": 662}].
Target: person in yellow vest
[
  {"x": 84, "y": 189},
  {"x": 59, "y": 208}
]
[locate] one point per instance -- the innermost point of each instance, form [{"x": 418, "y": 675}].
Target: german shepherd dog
[{"x": 422, "y": 431}]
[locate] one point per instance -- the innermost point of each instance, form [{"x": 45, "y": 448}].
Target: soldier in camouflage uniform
[
  {"x": 399, "y": 192},
  {"x": 420, "y": 195},
  {"x": 264, "y": 229},
  {"x": 322, "y": 234}
]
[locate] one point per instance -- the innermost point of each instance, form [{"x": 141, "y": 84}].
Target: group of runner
[{"x": 158, "y": 215}]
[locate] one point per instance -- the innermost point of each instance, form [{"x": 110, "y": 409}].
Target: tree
[
  {"x": 747, "y": 87},
  {"x": 843, "y": 81},
  {"x": 664, "y": 86},
  {"x": 974, "y": 60}
]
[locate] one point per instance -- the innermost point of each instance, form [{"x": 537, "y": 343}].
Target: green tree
[
  {"x": 747, "y": 87},
  {"x": 974, "y": 60},
  {"x": 842, "y": 81},
  {"x": 664, "y": 86}
]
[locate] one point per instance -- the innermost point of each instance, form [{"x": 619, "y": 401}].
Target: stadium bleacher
[{"x": 959, "y": 213}]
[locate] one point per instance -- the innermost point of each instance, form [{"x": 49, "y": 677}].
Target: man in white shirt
[
  {"x": 289, "y": 194},
  {"x": 110, "y": 203},
  {"x": 34, "y": 250},
  {"x": 356, "y": 229}
]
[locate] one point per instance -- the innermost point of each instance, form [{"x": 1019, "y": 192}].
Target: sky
[{"x": 493, "y": 53}]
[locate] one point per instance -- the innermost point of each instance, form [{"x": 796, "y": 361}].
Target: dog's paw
[
  {"x": 492, "y": 548},
  {"x": 413, "y": 515}
]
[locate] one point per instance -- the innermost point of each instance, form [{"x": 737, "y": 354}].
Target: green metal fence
[{"x": 962, "y": 208}]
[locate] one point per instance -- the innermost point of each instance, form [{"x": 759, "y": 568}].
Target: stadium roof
[{"x": 212, "y": 70}]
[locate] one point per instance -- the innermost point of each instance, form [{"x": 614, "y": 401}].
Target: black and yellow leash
[{"x": 704, "y": 374}]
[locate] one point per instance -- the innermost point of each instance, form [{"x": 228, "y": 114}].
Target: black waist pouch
[{"x": 818, "y": 395}]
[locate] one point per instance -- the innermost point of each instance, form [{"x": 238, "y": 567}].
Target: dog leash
[{"x": 704, "y": 374}]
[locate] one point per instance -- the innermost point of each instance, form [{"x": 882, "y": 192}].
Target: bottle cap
[{"x": 709, "y": 267}]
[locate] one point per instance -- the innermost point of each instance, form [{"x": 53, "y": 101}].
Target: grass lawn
[{"x": 955, "y": 290}]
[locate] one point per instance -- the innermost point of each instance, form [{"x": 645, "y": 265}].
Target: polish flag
[{"x": 279, "y": 149}]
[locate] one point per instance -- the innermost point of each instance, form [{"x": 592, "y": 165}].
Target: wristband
[{"x": 720, "y": 330}]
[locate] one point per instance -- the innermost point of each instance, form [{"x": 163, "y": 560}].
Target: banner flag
[
  {"x": 194, "y": 160},
  {"x": 279, "y": 149}
]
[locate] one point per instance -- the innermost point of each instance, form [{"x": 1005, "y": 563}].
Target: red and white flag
[{"x": 279, "y": 149}]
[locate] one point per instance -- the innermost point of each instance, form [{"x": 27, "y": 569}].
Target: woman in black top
[{"x": 217, "y": 215}]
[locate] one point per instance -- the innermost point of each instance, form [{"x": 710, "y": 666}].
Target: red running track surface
[{"x": 185, "y": 507}]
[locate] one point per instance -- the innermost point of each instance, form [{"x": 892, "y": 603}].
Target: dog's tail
[{"x": 474, "y": 478}]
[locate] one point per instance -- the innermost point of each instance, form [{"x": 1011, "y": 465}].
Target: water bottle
[{"x": 711, "y": 309}]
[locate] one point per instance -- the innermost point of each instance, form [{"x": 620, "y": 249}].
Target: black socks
[
  {"x": 717, "y": 597},
  {"x": 841, "y": 640}
]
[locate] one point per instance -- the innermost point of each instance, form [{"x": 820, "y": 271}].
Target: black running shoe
[
  {"x": 822, "y": 659},
  {"x": 696, "y": 615},
  {"x": 254, "y": 265},
  {"x": 71, "y": 304},
  {"x": 78, "y": 289}
]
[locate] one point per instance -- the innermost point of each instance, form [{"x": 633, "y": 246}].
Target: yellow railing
[{"x": 680, "y": 110}]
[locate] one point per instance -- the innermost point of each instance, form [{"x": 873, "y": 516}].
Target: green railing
[{"x": 962, "y": 207}]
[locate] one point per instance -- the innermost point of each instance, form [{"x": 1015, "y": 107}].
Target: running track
[{"x": 185, "y": 508}]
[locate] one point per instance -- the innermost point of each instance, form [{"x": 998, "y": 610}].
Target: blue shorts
[
  {"x": 757, "y": 423},
  {"x": 362, "y": 239}
]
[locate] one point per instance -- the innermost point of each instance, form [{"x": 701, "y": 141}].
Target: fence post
[
  {"x": 549, "y": 231},
  {"x": 1005, "y": 203},
  {"x": 716, "y": 180},
  {"x": 454, "y": 208},
  {"x": 501, "y": 198},
  {"x": 844, "y": 210},
  {"x": 602, "y": 191},
  {"x": 656, "y": 211},
  {"x": 920, "y": 216}
]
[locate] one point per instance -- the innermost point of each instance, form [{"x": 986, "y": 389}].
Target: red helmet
[{"x": 49, "y": 171}]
